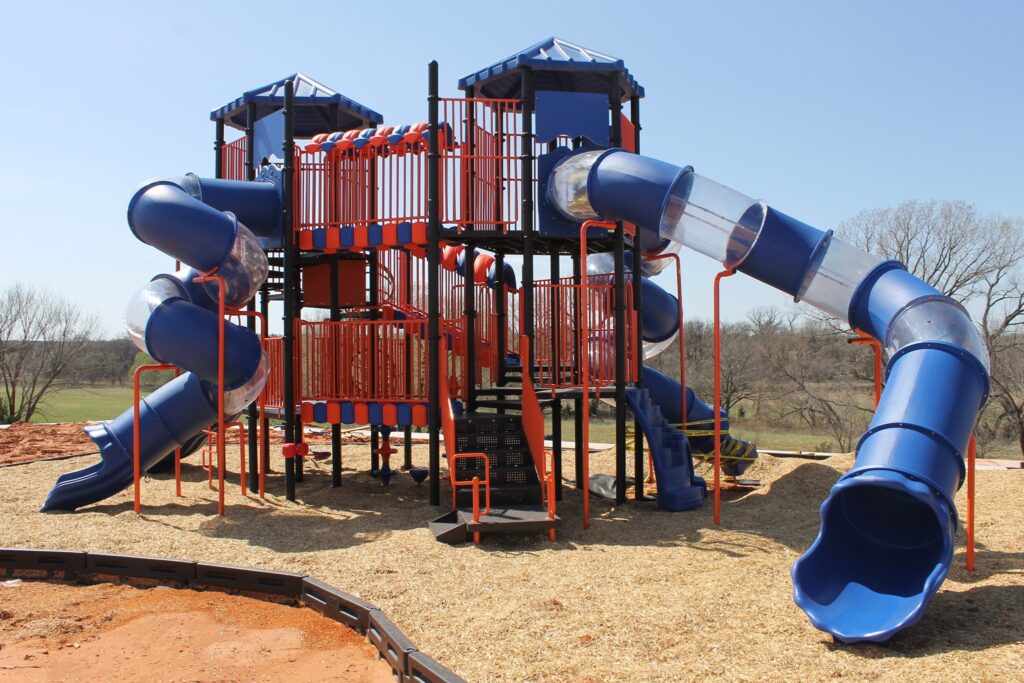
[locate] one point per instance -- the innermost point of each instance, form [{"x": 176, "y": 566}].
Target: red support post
[{"x": 718, "y": 392}]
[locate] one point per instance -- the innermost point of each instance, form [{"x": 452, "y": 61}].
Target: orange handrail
[
  {"x": 448, "y": 431},
  {"x": 717, "y": 356},
  {"x": 533, "y": 427},
  {"x": 136, "y": 416}
]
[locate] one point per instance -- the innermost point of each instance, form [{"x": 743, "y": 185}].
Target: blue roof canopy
[
  {"x": 315, "y": 106},
  {"x": 558, "y": 65}
]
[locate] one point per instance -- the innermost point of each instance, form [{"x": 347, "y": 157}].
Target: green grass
[
  {"x": 603, "y": 430},
  {"x": 84, "y": 403}
]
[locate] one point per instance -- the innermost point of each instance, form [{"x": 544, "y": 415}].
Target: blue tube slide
[
  {"x": 886, "y": 538},
  {"x": 175, "y": 320}
]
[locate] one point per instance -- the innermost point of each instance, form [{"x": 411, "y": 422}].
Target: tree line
[{"x": 795, "y": 368}]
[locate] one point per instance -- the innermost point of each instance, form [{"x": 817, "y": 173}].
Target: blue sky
[{"x": 822, "y": 109}]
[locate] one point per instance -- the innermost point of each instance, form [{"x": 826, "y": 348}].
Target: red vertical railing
[{"x": 232, "y": 165}]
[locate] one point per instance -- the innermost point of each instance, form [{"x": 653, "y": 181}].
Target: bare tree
[
  {"x": 977, "y": 260},
  {"x": 949, "y": 244},
  {"x": 41, "y": 336}
]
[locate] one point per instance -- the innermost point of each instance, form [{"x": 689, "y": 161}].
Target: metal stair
[{"x": 516, "y": 495}]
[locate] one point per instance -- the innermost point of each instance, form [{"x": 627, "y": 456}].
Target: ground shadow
[
  {"x": 980, "y": 618},
  {"x": 323, "y": 518}
]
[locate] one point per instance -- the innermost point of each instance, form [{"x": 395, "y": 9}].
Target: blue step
[{"x": 678, "y": 487}]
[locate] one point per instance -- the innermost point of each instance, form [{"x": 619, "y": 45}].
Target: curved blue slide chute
[
  {"x": 174, "y": 319},
  {"x": 886, "y": 538}
]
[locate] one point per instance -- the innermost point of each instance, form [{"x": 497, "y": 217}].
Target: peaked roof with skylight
[
  {"x": 318, "y": 109},
  {"x": 558, "y": 65}
]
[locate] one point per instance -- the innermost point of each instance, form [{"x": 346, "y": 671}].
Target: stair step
[
  {"x": 497, "y": 457},
  {"x": 517, "y": 519},
  {"x": 499, "y": 391},
  {"x": 501, "y": 476},
  {"x": 503, "y": 495},
  {"x": 449, "y": 528}
]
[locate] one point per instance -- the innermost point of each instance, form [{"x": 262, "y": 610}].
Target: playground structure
[{"x": 402, "y": 232}]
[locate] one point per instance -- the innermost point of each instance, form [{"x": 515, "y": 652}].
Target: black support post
[
  {"x": 469, "y": 284},
  {"x": 371, "y": 257},
  {"x": 615, "y": 104},
  {"x": 501, "y": 316},
  {"x": 264, "y": 420},
  {"x": 581, "y": 402},
  {"x": 252, "y": 412},
  {"x": 556, "y": 362},
  {"x": 407, "y": 430},
  {"x": 218, "y": 149},
  {"x": 335, "y": 427},
  {"x": 433, "y": 288},
  {"x": 288, "y": 343},
  {"x": 526, "y": 153},
  {"x": 638, "y": 306}
]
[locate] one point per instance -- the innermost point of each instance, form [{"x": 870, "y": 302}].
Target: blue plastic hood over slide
[
  {"x": 886, "y": 538},
  {"x": 175, "y": 320}
]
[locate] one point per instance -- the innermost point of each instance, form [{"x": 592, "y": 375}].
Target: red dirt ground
[
  {"x": 62, "y": 632},
  {"x": 25, "y": 442}
]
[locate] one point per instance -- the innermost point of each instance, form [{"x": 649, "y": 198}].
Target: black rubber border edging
[{"x": 408, "y": 664}]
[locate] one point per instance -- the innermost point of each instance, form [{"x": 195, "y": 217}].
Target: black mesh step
[
  {"x": 498, "y": 457},
  {"x": 499, "y": 391},
  {"x": 527, "y": 493}
]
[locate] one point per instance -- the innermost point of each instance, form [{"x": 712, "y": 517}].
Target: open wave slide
[
  {"x": 887, "y": 527},
  {"x": 202, "y": 223}
]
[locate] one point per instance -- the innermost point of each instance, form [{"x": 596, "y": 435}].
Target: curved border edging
[{"x": 407, "y": 663}]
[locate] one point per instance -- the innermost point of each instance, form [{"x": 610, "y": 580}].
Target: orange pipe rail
[
  {"x": 717, "y": 356},
  {"x": 864, "y": 339},
  {"x": 533, "y": 426},
  {"x": 136, "y": 446},
  {"x": 585, "y": 363}
]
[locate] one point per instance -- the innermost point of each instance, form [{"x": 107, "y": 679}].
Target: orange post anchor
[
  {"x": 136, "y": 439},
  {"x": 717, "y": 356}
]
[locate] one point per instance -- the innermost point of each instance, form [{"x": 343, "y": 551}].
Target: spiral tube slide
[
  {"x": 886, "y": 538},
  {"x": 175, "y": 320}
]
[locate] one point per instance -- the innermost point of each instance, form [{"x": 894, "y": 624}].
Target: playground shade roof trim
[
  {"x": 558, "y": 65},
  {"x": 313, "y": 106}
]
